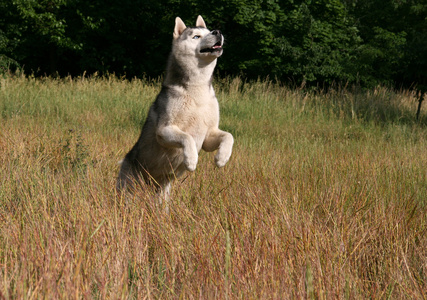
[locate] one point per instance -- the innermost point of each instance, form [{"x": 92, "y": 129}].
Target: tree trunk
[{"x": 420, "y": 101}]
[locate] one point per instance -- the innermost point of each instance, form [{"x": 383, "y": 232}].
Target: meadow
[{"x": 325, "y": 196}]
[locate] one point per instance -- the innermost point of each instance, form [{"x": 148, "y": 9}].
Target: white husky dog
[{"x": 184, "y": 117}]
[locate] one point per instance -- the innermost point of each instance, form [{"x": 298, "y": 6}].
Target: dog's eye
[{"x": 196, "y": 37}]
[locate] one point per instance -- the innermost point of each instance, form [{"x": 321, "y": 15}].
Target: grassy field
[{"x": 325, "y": 196}]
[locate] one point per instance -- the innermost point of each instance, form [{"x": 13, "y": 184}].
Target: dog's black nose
[{"x": 216, "y": 32}]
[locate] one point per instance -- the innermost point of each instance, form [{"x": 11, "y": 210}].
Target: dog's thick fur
[{"x": 184, "y": 117}]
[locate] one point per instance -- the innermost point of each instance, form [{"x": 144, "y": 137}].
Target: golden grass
[{"x": 324, "y": 197}]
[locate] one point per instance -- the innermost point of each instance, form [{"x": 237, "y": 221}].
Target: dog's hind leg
[
  {"x": 164, "y": 196},
  {"x": 130, "y": 177},
  {"x": 124, "y": 178}
]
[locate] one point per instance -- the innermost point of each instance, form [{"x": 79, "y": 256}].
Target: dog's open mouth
[{"x": 216, "y": 47}]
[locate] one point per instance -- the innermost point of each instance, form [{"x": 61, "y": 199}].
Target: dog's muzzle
[{"x": 215, "y": 39}]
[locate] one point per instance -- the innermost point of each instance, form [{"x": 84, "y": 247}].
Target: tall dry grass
[{"x": 324, "y": 197}]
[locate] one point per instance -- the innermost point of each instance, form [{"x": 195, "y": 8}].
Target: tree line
[{"x": 313, "y": 42}]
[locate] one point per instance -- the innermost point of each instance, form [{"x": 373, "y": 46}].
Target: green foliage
[
  {"x": 379, "y": 59},
  {"x": 9, "y": 36},
  {"x": 306, "y": 41},
  {"x": 394, "y": 37},
  {"x": 43, "y": 16},
  {"x": 318, "y": 39}
]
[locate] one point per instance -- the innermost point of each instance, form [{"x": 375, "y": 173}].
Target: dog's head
[{"x": 199, "y": 40}]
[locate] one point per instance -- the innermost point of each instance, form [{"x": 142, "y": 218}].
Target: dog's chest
[{"x": 198, "y": 112}]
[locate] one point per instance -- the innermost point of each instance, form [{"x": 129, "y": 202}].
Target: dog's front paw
[
  {"x": 224, "y": 151},
  {"x": 221, "y": 159},
  {"x": 190, "y": 161}
]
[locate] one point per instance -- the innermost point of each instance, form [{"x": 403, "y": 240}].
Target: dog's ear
[
  {"x": 200, "y": 22},
  {"x": 179, "y": 28}
]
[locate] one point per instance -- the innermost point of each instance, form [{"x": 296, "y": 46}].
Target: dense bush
[{"x": 306, "y": 41}]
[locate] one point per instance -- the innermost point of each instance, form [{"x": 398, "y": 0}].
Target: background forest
[{"x": 311, "y": 42}]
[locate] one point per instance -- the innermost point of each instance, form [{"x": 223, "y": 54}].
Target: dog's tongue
[{"x": 216, "y": 47}]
